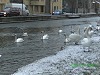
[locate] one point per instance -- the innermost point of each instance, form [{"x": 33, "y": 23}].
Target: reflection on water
[
  {"x": 11, "y": 30},
  {"x": 4, "y": 40}
]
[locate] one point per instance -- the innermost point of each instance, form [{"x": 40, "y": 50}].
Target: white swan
[
  {"x": 18, "y": 39},
  {"x": 97, "y": 28},
  {"x": 60, "y": 31},
  {"x": 86, "y": 42},
  {"x": 74, "y": 37},
  {"x": 25, "y": 34},
  {"x": 90, "y": 31},
  {"x": 46, "y": 36},
  {"x": 0, "y": 55}
]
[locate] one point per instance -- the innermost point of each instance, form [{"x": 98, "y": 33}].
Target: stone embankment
[{"x": 33, "y": 18}]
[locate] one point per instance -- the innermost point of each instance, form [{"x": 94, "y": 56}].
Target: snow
[
  {"x": 63, "y": 63},
  {"x": 0, "y": 55}
]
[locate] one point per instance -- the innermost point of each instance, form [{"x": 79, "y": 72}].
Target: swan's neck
[
  {"x": 86, "y": 32},
  {"x": 15, "y": 37},
  {"x": 79, "y": 30},
  {"x": 65, "y": 36},
  {"x": 72, "y": 30}
]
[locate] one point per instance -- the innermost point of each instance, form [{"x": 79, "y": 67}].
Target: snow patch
[{"x": 62, "y": 63}]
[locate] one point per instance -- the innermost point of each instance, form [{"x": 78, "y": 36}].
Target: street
[{"x": 33, "y": 49}]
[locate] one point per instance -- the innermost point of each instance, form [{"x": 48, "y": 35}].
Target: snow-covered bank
[{"x": 63, "y": 63}]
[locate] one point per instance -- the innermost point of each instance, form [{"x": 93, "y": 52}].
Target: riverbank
[
  {"x": 70, "y": 61},
  {"x": 33, "y": 18}
]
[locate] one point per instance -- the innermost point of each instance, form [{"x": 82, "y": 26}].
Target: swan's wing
[
  {"x": 75, "y": 37},
  {"x": 86, "y": 42}
]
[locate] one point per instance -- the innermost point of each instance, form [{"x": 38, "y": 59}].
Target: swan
[
  {"x": 0, "y": 55},
  {"x": 25, "y": 34},
  {"x": 86, "y": 42},
  {"x": 60, "y": 31},
  {"x": 74, "y": 37},
  {"x": 90, "y": 31},
  {"x": 18, "y": 39},
  {"x": 45, "y": 36},
  {"x": 97, "y": 28},
  {"x": 67, "y": 39}
]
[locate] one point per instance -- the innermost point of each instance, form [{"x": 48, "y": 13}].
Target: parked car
[
  {"x": 23, "y": 8},
  {"x": 57, "y": 12},
  {"x": 12, "y": 11},
  {"x": 3, "y": 14}
]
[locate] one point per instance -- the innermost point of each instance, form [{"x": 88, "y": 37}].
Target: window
[
  {"x": 36, "y": 8},
  {"x": 57, "y": 7},
  {"x": 54, "y": 7},
  {"x": 55, "y": 0},
  {"x": 42, "y": 8}
]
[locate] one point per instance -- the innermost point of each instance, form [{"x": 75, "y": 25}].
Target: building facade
[
  {"x": 81, "y": 6},
  {"x": 56, "y": 5},
  {"x": 2, "y": 3},
  {"x": 37, "y": 6},
  {"x": 43, "y": 6},
  {"x": 48, "y": 6}
]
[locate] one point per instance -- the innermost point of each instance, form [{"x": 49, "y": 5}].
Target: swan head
[
  {"x": 89, "y": 28},
  {"x": 42, "y": 31},
  {"x": 88, "y": 32},
  {"x": 97, "y": 27},
  {"x": 90, "y": 25},
  {"x": 72, "y": 31},
  {"x": 67, "y": 40}
]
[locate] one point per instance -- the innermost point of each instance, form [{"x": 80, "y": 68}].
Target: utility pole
[
  {"x": 76, "y": 6},
  {"x": 22, "y": 7},
  {"x": 52, "y": 5}
]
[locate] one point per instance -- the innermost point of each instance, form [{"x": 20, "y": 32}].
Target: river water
[{"x": 16, "y": 55}]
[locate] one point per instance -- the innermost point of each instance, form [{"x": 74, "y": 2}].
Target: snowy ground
[{"x": 72, "y": 60}]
